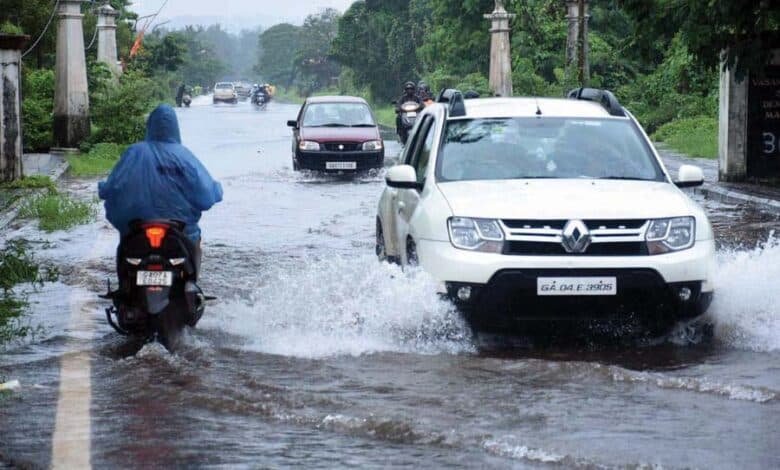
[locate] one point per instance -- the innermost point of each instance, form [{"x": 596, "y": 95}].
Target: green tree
[
  {"x": 746, "y": 30},
  {"x": 278, "y": 47},
  {"x": 314, "y": 66}
]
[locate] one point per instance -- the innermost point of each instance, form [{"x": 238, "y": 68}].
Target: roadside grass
[
  {"x": 31, "y": 182},
  {"x": 100, "y": 159},
  {"x": 18, "y": 266},
  {"x": 695, "y": 137},
  {"x": 385, "y": 115},
  {"x": 56, "y": 211}
]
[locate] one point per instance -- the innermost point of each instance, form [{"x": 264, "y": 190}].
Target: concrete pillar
[
  {"x": 573, "y": 37},
  {"x": 11, "y": 106},
  {"x": 71, "y": 96},
  {"x": 732, "y": 128},
  {"x": 106, "y": 25},
  {"x": 500, "y": 57}
]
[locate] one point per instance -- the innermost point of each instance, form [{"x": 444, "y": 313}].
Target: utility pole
[
  {"x": 500, "y": 57},
  {"x": 577, "y": 40}
]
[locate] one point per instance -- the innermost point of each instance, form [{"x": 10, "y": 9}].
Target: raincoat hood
[
  {"x": 163, "y": 126},
  {"x": 159, "y": 178}
]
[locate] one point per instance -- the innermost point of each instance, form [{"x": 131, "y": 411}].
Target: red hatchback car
[{"x": 336, "y": 133}]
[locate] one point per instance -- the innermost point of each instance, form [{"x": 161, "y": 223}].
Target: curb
[
  {"x": 735, "y": 197},
  {"x": 9, "y": 214}
]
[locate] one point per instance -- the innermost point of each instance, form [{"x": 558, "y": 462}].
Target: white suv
[{"x": 547, "y": 209}]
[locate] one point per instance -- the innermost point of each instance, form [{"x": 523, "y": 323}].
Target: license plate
[
  {"x": 340, "y": 165},
  {"x": 154, "y": 278},
  {"x": 550, "y": 286},
  {"x": 411, "y": 114}
]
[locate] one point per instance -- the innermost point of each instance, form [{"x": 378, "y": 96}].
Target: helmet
[
  {"x": 422, "y": 85},
  {"x": 256, "y": 85},
  {"x": 410, "y": 86}
]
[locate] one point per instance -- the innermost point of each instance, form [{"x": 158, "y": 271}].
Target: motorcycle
[
  {"x": 186, "y": 100},
  {"x": 260, "y": 100},
  {"x": 408, "y": 116},
  {"x": 158, "y": 294}
]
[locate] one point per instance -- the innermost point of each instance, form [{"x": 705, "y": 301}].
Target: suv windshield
[
  {"x": 517, "y": 148},
  {"x": 338, "y": 115}
]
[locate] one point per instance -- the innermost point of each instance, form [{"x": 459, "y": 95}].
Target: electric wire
[
  {"x": 46, "y": 28},
  {"x": 94, "y": 36}
]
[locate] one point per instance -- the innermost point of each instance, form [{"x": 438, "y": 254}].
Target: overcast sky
[{"x": 236, "y": 13}]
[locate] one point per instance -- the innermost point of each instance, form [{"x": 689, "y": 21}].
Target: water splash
[
  {"x": 344, "y": 306},
  {"x": 747, "y": 294}
]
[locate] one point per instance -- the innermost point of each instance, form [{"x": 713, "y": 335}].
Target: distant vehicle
[
  {"x": 225, "y": 92},
  {"x": 336, "y": 133},
  {"x": 186, "y": 99},
  {"x": 243, "y": 89},
  {"x": 539, "y": 210}
]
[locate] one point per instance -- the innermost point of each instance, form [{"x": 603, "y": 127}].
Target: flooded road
[{"x": 315, "y": 355}]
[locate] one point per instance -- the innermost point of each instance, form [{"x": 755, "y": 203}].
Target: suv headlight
[
  {"x": 667, "y": 235},
  {"x": 476, "y": 234},
  {"x": 372, "y": 145},
  {"x": 308, "y": 145}
]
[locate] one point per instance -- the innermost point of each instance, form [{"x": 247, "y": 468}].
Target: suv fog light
[
  {"x": 685, "y": 294},
  {"x": 464, "y": 293}
]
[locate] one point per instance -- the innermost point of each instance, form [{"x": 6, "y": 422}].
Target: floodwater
[{"x": 316, "y": 355}]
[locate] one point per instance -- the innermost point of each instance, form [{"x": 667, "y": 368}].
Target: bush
[
  {"x": 10, "y": 28},
  {"x": 697, "y": 137},
  {"x": 17, "y": 266},
  {"x": 37, "y": 107},
  {"x": 119, "y": 108}
]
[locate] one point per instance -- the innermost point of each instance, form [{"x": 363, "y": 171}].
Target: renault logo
[{"x": 575, "y": 237}]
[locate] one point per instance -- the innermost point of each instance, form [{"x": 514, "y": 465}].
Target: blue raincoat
[{"x": 159, "y": 178}]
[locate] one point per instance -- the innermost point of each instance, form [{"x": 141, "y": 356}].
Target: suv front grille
[{"x": 608, "y": 237}]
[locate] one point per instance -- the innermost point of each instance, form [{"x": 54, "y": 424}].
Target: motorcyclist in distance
[
  {"x": 424, "y": 92},
  {"x": 159, "y": 178},
  {"x": 410, "y": 95}
]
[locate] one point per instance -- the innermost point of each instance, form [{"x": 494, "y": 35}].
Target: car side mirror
[
  {"x": 402, "y": 177},
  {"x": 689, "y": 176},
  {"x": 293, "y": 124}
]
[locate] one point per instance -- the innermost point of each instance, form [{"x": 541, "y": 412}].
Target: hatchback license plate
[
  {"x": 551, "y": 286},
  {"x": 340, "y": 165},
  {"x": 154, "y": 278}
]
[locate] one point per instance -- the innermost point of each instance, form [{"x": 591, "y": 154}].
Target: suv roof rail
[
  {"x": 454, "y": 98},
  {"x": 604, "y": 97}
]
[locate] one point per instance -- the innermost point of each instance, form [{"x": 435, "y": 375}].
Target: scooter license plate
[
  {"x": 411, "y": 114},
  {"x": 154, "y": 278}
]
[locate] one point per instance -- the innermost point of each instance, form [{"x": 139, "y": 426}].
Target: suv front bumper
[{"x": 651, "y": 286}]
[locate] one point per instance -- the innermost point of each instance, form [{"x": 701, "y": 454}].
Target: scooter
[
  {"x": 260, "y": 100},
  {"x": 158, "y": 295},
  {"x": 186, "y": 100},
  {"x": 408, "y": 116}
]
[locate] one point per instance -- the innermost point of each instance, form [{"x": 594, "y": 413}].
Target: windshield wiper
[
  {"x": 333, "y": 124},
  {"x": 365, "y": 124}
]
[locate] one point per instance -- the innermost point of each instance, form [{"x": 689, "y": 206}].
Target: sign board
[{"x": 763, "y": 126}]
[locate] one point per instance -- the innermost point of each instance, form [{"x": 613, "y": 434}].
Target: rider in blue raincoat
[{"x": 159, "y": 178}]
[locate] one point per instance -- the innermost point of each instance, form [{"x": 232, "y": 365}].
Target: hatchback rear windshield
[
  {"x": 224, "y": 86},
  {"x": 338, "y": 115},
  {"x": 518, "y": 148}
]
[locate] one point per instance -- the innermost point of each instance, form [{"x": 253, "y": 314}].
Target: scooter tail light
[{"x": 155, "y": 236}]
